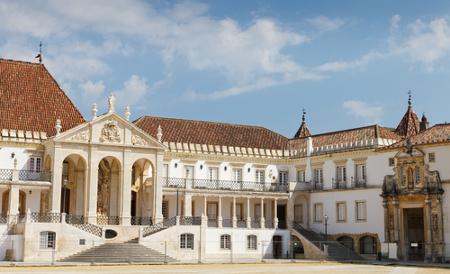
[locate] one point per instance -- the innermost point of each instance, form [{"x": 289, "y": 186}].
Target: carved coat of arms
[{"x": 110, "y": 132}]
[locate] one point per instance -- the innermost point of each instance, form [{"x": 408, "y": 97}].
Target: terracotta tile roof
[
  {"x": 439, "y": 133},
  {"x": 212, "y": 133},
  {"x": 409, "y": 125},
  {"x": 345, "y": 136},
  {"x": 32, "y": 100}
]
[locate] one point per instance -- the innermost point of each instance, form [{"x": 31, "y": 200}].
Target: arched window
[
  {"x": 252, "y": 242},
  {"x": 225, "y": 241},
  {"x": 187, "y": 241},
  {"x": 47, "y": 240},
  {"x": 367, "y": 245},
  {"x": 346, "y": 241}
]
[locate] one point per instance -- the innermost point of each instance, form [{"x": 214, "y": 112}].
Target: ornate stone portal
[{"x": 412, "y": 200}]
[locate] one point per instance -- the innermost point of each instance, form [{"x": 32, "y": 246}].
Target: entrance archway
[
  {"x": 142, "y": 187},
  {"x": 298, "y": 252},
  {"x": 73, "y": 184},
  {"x": 346, "y": 241},
  {"x": 108, "y": 191}
]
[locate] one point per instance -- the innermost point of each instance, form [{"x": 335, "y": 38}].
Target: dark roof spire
[
  {"x": 40, "y": 53},
  {"x": 409, "y": 125},
  {"x": 303, "y": 131}
]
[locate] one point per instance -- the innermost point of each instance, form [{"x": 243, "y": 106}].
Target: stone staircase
[
  {"x": 128, "y": 252},
  {"x": 336, "y": 251}
]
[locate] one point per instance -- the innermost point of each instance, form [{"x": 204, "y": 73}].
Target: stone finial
[
  {"x": 159, "y": 134},
  {"x": 127, "y": 113},
  {"x": 58, "y": 126},
  {"x": 111, "y": 103},
  {"x": 94, "y": 111}
]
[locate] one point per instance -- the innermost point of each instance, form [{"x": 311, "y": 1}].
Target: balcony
[
  {"x": 337, "y": 184},
  {"x": 223, "y": 185},
  {"x": 359, "y": 183},
  {"x": 24, "y": 175}
]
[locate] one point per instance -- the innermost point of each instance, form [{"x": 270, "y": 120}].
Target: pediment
[{"x": 109, "y": 129}]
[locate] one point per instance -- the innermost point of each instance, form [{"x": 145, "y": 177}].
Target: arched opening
[
  {"x": 141, "y": 192},
  {"x": 346, "y": 241},
  {"x": 22, "y": 203},
  {"x": 298, "y": 252},
  {"x": 368, "y": 245},
  {"x": 108, "y": 191},
  {"x": 73, "y": 185}
]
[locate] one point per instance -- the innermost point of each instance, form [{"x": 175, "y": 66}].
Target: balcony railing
[
  {"x": 223, "y": 185},
  {"x": 316, "y": 186},
  {"x": 24, "y": 175},
  {"x": 339, "y": 184},
  {"x": 359, "y": 183}
]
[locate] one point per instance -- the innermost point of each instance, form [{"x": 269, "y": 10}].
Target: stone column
[
  {"x": 13, "y": 203},
  {"x": 56, "y": 182},
  {"x": 158, "y": 188},
  {"x": 91, "y": 212},
  {"x": 275, "y": 217},
  {"x": 125, "y": 209},
  {"x": 219, "y": 215},
  {"x": 428, "y": 233},
  {"x": 234, "y": 212},
  {"x": 396, "y": 222},
  {"x": 205, "y": 206},
  {"x": 79, "y": 204},
  {"x": 249, "y": 219},
  {"x": 187, "y": 204},
  {"x": 263, "y": 220},
  {"x": 386, "y": 221}
]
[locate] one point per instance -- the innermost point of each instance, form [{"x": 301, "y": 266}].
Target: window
[
  {"x": 341, "y": 174},
  {"x": 417, "y": 175},
  {"x": 260, "y": 176},
  {"x": 213, "y": 174},
  {"x": 47, "y": 240},
  {"x": 165, "y": 209},
  {"x": 212, "y": 211},
  {"x": 187, "y": 241},
  {"x": 391, "y": 161},
  {"x": 298, "y": 213},
  {"x": 283, "y": 177},
  {"x": 34, "y": 164},
  {"x": 258, "y": 211},
  {"x": 360, "y": 172},
  {"x": 188, "y": 172},
  {"x": 361, "y": 211},
  {"x": 237, "y": 175},
  {"x": 431, "y": 157},
  {"x": 225, "y": 241},
  {"x": 300, "y": 176},
  {"x": 239, "y": 210},
  {"x": 318, "y": 213},
  {"x": 368, "y": 245},
  {"x": 341, "y": 212},
  {"x": 252, "y": 242},
  {"x": 318, "y": 176}
]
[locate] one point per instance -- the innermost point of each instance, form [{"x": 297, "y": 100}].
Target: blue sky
[{"x": 348, "y": 63}]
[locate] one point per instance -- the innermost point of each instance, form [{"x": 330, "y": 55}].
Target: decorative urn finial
[
  {"x": 127, "y": 113},
  {"x": 94, "y": 111},
  {"x": 159, "y": 134},
  {"x": 111, "y": 103},
  {"x": 58, "y": 126}
]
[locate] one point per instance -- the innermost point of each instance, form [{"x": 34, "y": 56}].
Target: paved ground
[{"x": 310, "y": 267}]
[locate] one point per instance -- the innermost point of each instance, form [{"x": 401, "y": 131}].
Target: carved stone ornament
[
  {"x": 138, "y": 140},
  {"x": 110, "y": 132},
  {"x": 81, "y": 136}
]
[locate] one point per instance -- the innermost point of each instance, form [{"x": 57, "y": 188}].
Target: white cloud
[
  {"x": 324, "y": 23},
  {"x": 360, "y": 109},
  {"x": 134, "y": 91},
  {"x": 359, "y": 63},
  {"x": 92, "y": 91}
]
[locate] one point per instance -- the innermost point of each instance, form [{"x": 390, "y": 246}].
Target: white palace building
[{"x": 107, "y": 189}]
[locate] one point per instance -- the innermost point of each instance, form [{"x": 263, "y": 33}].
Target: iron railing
[
  {"x": 359, "y": 183},
  {"x": 227, "y": 223},
  {"x": 166, "y": 223},
  {"x": 241, "y": 223},
  {"x": 268, "y": 223},
  {"x": 317, "y": 186},
  {"x": 213, "y": 223},
  {"x": 6, "y": 174},
  {"x": 108, "y": 220},
  {"x": 31, "y": 175},
  {"x": 339, "y": 184},
  {"x": 223, "y": 185},
  {"x": 256, "y": 224},
  {"x": 74, "y": 219},
  {"x": 36, "y": 217},
  {"x": 187, "y": 220},
  {"x": 136, "y": 220}
]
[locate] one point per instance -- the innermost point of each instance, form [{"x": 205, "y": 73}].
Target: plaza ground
[{"x": 304, "y": 267}]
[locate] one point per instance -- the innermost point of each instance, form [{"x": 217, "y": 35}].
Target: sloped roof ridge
[{"x": 339, "y": 131}]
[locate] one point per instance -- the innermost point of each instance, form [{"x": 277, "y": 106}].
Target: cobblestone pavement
[{"x": 313, "y": 267}]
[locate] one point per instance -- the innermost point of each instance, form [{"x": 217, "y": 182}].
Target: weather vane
[{"x": 40, "y": 53}]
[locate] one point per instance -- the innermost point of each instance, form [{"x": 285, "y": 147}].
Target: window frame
[
  {"x": 225, "y": 241},
  {"x": 391, "y": 161},
  {"x": 301, "y": 177},
  {"x": 432, "y": 157},
  {"x": 252, "y": 242},
  {"x": 318, "y": 175},
  {"x": 296, "y": 206},
  {"x": 47, "y": 240},
  {"x": 341, "y": 203},
  {"x": 315, "y": 219},
  {"x": 341, "y": 174},
  {"x": 187, "y": 241},
  {"x": 357, "y": 219},
  {"x": 260, "y": 176}
]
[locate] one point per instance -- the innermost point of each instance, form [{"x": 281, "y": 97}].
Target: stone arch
[
  {"x": 73, "y": 184},
  {"x": 298, "y": 251},
  {"x": 22, "y": 203},
  {"x": 109, "y": 190},
  {"x": 346, "y": 241},
  {"x": 142, "y": 190}
]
